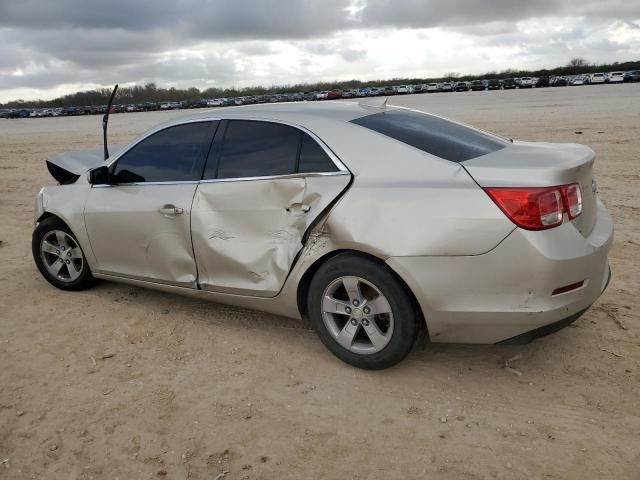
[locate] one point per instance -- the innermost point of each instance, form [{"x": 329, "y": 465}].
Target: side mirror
[{"x": 99, "y": 176}]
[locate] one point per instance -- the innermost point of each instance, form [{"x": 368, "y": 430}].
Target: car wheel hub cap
[
  {"x": 357, "y": 315},
  {"x": 61, "y": 256}
]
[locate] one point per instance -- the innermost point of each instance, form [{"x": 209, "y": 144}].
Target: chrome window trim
[
  {"x": 342, "y": 169},
  {"x": 220, "y": 180},
  {"x": 140, "y": 184},
  {"x": 274, "y": 177}
]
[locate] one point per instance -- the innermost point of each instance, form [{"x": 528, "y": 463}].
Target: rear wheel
[
  {"x": 362, "y": 312},
  {"x": 59, "y": 257}
]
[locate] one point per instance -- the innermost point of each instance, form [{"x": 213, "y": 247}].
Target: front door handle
[
  {"x": 298, "y": 207},
  {"x": 171, "y": 210}
]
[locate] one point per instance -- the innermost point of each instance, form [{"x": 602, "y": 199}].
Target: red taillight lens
[{"x": 537, "y": 208}]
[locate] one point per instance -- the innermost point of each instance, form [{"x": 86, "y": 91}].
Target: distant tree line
[{"x": 152, "y": 93}]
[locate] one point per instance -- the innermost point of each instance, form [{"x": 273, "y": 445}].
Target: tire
[
  {"x": 61, "y": 244},
  {"x": 349, "y": 328}
]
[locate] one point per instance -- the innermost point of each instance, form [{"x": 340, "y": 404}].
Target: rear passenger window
[
  {"x": 313, "y": 159},
  {"x": 258, "y": 149}
]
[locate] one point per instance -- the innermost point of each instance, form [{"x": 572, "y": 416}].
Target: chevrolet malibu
[{"x": 374, "y": 222}]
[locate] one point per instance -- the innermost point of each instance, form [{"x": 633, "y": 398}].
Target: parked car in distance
[
  {"x": 524, "y": 242},
  {"x": 432, "y": 87},
  {"x": 632, "y": 76},
  {"x": 322, "y": 95},
  {"x": 596, "y": 78},
  {"x": 462, "y": 87},
  {"x": 402, "y": 89},
  {"x": 509, "y": 83},
  {"x": 446, "y": 87},
  {"x": 363, "y": 92},
  {"x": 348, "y": 93},
  {"x": 526, "y": 82},
  {"x": 478, "y": 85},
  {"x": 334, "y": 94},
  {"x": 389, "y": 90},
  {"x": 559, "y": 82},
  {"x": 577, "y": 80},
  {"x": 542, "y": 81},
  {"x": 614, "y": 77},
  {"x": 494, "y": 84}
]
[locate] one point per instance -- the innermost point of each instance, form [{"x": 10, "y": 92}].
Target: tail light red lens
[{"x": 538, "y": 208}]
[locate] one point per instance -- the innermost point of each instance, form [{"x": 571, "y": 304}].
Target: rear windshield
[{"x": 433, "y": 135}]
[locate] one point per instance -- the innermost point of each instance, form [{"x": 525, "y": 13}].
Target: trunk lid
[{"x": 537, "y": 164}]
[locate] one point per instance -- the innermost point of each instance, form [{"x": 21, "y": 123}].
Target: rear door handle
[
  {"x": 298, "y": 207},
  {"x": 171, "y": 210}
]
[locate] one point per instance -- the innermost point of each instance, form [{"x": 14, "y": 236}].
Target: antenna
[{"x": 105, "y": 121}]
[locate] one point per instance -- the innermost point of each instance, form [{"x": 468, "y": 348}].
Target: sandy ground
[{"x": 193, "y": 390}]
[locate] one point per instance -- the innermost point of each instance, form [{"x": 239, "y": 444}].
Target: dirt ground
[{"x": 126, "y": 383}]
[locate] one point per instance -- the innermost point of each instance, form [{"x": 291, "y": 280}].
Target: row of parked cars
[{"x": 369, "y": 91}]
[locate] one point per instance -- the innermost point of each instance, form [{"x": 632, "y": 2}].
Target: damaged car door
[
  {"x": 264, "y": 185},
  {"x": 139, "y": 222}
]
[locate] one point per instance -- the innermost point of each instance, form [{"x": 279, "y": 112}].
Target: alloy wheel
[
  {"x": 61, "y": 256},
  {"x": 357, "y": 315}
]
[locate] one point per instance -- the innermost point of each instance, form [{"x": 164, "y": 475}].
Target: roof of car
[{"x": 292, "y": 112}]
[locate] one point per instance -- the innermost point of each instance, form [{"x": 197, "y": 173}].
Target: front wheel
[
  {"x": 59, "y": 257},
  {"x": 362, "y": 312}
]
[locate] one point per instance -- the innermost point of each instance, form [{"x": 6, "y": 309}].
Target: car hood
[{"x": 67, "y": 167}]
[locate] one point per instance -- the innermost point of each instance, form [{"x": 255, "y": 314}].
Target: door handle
[
  {"x": 298, "y": 207},
  {"x": 170, "y": 210}
]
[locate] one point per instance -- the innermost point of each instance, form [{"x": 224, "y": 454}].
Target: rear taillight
[
  {"x": 572, "y": 199},
  {"x": 538, "y": 208}
]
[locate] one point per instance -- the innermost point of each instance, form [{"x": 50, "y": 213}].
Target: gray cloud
[
  {"x": 44, "y": 44},
  {"x": 433, "y": 13},
  {"x": 237, "y": 19}
]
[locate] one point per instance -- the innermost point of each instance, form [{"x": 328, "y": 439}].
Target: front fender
[{"x": 67, "y": 203}]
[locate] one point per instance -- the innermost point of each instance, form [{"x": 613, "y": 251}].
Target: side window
[
  {"x": 171, "y": 155},
  {"x": 313, "y": 159},
  {"x": 257, "y": 149}
]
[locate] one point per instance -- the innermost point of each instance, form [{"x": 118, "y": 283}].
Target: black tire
[
  {"x": 406, "y": 317},
  {"x": 43, "y": 230}
]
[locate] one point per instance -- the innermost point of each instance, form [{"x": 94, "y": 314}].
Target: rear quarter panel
[{"x": 405, "y": 202}]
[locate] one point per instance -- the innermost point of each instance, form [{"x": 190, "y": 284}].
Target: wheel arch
[
  {"x": 305, "y": 281},
  {"x": 77, "y": 229},
  {"x": 46, "y": 215}
]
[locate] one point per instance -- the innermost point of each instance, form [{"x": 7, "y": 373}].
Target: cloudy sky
[{"x": 49, "y": 48}]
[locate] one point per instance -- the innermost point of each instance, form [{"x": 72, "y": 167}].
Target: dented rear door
[
  {"x": 246, "y": 234},
  {"x": 250, "y": 213}
]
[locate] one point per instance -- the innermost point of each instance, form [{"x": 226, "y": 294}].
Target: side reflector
[{"x": 567, "y": 288}]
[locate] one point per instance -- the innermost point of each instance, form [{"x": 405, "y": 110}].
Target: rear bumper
[
  {"x": 507, "y": 292},
  {"x": 545, "y": 330}
]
